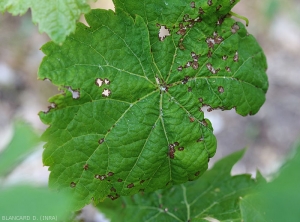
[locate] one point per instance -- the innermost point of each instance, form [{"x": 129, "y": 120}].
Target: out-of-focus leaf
[
  {"x": 216, "y": 195},
  {"x": 55, "y": 17},
  {"x": 22, "y": 143},
  {"x": 33, "y": 203},
  {"x": 278, "y": 200}
]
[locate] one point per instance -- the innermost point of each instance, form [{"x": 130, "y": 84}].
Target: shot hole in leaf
[{"x": 163, "y": 32}]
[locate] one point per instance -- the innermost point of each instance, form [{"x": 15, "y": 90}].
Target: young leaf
[
  {"x": 131, "y": 115},
  {"x": 55, "y": 17},
  {"x": 214, "y": 197},
  {"x": 23, "y": 141}
]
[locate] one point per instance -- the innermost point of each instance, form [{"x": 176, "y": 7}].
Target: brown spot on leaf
[
  {"x": 235, "y": 28},
  {"x": 120, "y": 180},
  {"x": 209, "y": 2},
  {"x": 201, "y": 11},
  {"x": 113, "y": 189},
  {"x": 220, "y": 89},
  {"x": 181, "y": 148},
  {"x": 130, "y": 185},
  {"x": 218, "y": 8},
  {"x": 72, "y": 184},
  {"x": 197, "y": 173},
  {"x": 101, "y": 141},
  {"x": 236, "y": 57},
  {"x": 110, "y": 174},
  {"x": 85, "y": 166},
  {"x": 193, "y": 5}
]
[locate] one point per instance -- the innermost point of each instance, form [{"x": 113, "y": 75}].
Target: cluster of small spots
[
  {"x": 130, "y": 185},
  {"x": 72, "y": 184},
  {"x": 220, "y": 89},
  {"x": 212, "y": 69},
  {"x": 234, "y": 28},
  {"x": 191, "y": 22},
  {"x": 216, "y": 39},
  {"x": 101, "y": 141},
  {"x": 99, "y": 82},
  {"x": 236, "y": 57},
  {"x": 100, "y": 177},
  {"x": 85, "y": 166},
  {"x": 163, "y": 32}
]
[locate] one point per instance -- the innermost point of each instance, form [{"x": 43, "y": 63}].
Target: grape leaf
[
  {"x": 214, "y": 197},
  {"x": 131, "y": 114},
  {"x": 22, "y": 143},
  {"x": 55, "y": 17}
]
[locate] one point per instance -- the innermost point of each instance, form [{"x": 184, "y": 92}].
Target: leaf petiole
[{"x": 240, "y": 17}]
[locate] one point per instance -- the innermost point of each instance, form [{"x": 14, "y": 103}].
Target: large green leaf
[
  {"x": 22, "y": 143},
  {"x": 278, "y": 200},
  {"x": 131, "y": 114},
  {"x": 214, "y": 197},
  {"x": 55, "y": 17}
]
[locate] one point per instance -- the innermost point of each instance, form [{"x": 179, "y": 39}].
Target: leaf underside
[
  {"x": 131, "y": 115},
  {"x": 55, "y": 17},
  {"x": 215, "y": 197}
]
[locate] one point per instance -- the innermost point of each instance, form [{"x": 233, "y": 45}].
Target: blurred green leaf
[
  {"x": 33, "y": 202},
  {"x": 55, "y": 17},
  {"x": 216, "y": 195},
  {"x": 278, "y": 200},
  {"x": 23, "y": 142}
]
